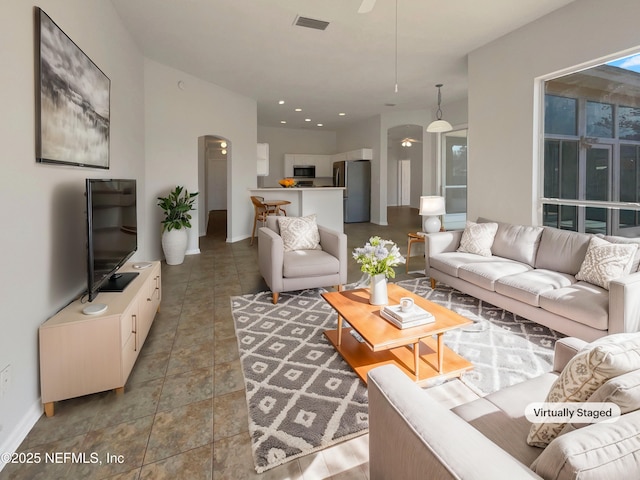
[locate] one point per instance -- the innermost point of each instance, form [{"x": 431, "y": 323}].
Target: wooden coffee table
[{"x": 413, "y": 350}]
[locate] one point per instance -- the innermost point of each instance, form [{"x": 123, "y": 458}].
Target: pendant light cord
[{"x": 396, "y": 88}]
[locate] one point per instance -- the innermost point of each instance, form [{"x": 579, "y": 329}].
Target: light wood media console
[{"x": 82, "y": 354}]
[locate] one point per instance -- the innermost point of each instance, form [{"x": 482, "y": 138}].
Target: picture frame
[{"x": 72, "y": 101}]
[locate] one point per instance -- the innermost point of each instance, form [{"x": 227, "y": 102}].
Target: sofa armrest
[
  {"x": 440, "y": 242},
  {"x": 271, "y": 258},
  {"x": 335, "y": 243},
  {"x": 565, "y": 350},
  {"x": 413, "y": 436},
  {"x": 624, "y": 304}
]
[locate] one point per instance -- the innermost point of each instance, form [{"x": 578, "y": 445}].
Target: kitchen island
[{"x": 325, "y": 202}]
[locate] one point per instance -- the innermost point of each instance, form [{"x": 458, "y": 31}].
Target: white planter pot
[
  {"x": 378, "y": 290},
  {"x": 174, "y": 245}
]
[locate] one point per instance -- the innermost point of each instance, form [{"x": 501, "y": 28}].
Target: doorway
[
  {"x": 404, "y": 182},
  {"x": 216, "y": 153}
]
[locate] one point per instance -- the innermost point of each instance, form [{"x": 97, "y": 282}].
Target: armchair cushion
[
  {"x": 299, "y": 233},
  {"x": 309, "y": 263}
]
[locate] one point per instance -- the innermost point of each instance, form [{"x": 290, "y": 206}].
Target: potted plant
[{"x": 177, "y": 218}]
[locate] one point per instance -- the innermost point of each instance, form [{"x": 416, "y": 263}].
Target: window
[{"x": 591, "y": 179}]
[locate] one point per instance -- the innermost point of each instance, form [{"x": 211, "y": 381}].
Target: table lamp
[{"x": 431, "y": 208}]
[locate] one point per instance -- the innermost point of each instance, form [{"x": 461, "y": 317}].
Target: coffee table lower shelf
[{"x": 362, "y": 359}]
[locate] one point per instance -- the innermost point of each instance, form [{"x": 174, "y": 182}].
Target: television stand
[
  {"x": 82, "y": 354},
  {"x": 118, "y": 282}
]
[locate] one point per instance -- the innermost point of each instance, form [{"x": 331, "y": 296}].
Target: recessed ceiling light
[
  {"x": 307, "y": 119},
  {"x": 283, "y": 121},
  {"x": 298, "y": 109},
  {"x": 224, "y": 151},
  {"x": 320, "y": 124},
  {"x": 342, "y": 114},
  {"x": 223, "y": 144},
  {"x": 280, "y": 102}
]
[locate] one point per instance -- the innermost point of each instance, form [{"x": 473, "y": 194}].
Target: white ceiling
[{"x": 252, "y": 47}]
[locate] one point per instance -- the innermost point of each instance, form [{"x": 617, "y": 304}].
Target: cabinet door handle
[{"x": 135, "y": 332}]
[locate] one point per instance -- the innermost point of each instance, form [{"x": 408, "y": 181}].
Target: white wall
[
  {"x": 503, "y": 142},
  {"x": 292, "y": 140},
  {"x": 174, "y": 120},
  {"x": 43, "y": 237}
]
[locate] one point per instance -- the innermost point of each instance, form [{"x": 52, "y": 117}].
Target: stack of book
[{"x": 415, "y": 317}]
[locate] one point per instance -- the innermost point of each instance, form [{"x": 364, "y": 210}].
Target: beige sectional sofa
[
  {"x": 532, "y": 273},
  {"x": 411, "y": 435}
]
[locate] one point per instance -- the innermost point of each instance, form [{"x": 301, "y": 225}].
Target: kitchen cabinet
[
  {"x": 323, "y": 163},
  {"x": 263, "y": 159}
]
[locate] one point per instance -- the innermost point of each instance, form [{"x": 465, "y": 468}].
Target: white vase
[
  {"x": 174, "y": 245},
  {"x": 378, "y": 290}
]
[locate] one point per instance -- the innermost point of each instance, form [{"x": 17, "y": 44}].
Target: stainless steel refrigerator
[{"x": 355, "y": 176}]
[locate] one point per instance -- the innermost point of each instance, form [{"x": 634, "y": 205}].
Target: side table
[{"x": 413, "y": 238}]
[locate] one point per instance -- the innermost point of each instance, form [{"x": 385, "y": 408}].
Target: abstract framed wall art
[{"x": 72, "y": 101}]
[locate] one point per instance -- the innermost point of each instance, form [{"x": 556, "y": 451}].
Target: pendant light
[{"x": 439, "y": 125}]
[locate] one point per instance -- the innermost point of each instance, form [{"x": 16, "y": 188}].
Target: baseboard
[{"x": 20, "y": 432}]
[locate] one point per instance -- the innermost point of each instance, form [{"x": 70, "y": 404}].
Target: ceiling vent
[{"x": 311, "y": 23}]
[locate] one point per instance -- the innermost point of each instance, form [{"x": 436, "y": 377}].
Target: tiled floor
[{"x": 183, "y": 415}]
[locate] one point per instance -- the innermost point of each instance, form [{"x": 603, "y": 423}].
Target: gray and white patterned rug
[{"x": 302, "y": 397}]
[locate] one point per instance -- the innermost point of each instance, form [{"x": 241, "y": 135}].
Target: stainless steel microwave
[{"x": 304, "y": 171}]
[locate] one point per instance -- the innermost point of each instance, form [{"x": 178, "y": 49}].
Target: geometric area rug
[{"x": 301, "y": 395}]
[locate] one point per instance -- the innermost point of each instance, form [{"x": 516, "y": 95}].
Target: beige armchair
[{"x": 301, "y": 269}]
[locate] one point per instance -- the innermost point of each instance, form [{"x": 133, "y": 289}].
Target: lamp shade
[
  {"x": 432, "y": 205},
  {"x": 438, "y": 126}
]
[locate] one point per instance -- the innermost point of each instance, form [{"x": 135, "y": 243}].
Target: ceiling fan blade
[{"x": 366, "y": 6}]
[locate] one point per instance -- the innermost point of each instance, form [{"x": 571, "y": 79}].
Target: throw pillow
[
  {"x": 635, "y": 266},
  {"x": 478, "y": 238},
  {"x": 590, "y": 368},
  {"x": 299, "y": 233},
  {"x": 606, "y": 261}
]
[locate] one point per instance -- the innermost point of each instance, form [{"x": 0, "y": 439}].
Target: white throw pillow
[
  {"x": 606, "y": 261},
  {"x": 478, "y": 238},
  {"x": 299, "y": 233},
  {"x": 605, "y": 358}
]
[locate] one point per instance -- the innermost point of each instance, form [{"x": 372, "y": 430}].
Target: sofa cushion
[
  {"x": 606, "y": 261},
  {"x": 450, "y": 262},
  {"x": 600, "y": 451},
  {"x": 527, "y": 286},
  {"x": 561, "y": 250},
  {"x": 299, "y": 233},
  {"x": 592, "y": 366},
  {"x": 583, "y": 302},
  {"x": 486, "y": 274},
  {"x": 500, "y": 416},
  {"x": 478, "y": 238},
  {"x": 309, "y": 263},
  {"x": 623, "y": 390},
  {"x": 635, "y": 265},
  {"x": 517, "y": 242}
]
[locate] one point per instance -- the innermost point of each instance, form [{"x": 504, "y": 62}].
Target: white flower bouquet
[{"x": 378, "y": 256}]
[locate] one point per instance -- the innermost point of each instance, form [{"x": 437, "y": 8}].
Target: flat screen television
[{"x": 112, "y": 233}]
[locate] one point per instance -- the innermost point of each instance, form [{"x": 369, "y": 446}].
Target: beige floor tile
[
  {"x": 180, "y": 430},
  {"x": 230, "y": 415},
  {"x": 185, "y": 388}
]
